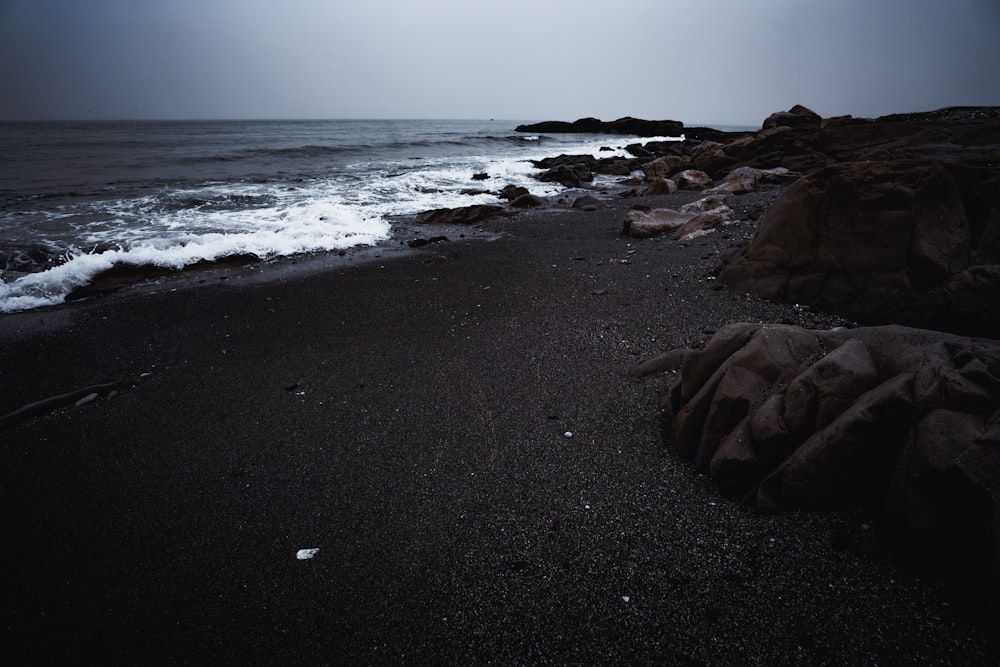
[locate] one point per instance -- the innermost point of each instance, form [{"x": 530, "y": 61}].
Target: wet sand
[{"x": 454, "y": 429}]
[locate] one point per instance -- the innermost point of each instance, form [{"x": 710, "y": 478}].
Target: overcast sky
[{"x": 698, "y": 61}]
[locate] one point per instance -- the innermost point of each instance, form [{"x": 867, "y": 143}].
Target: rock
[
  {"x": 568, "y": 176},
  {"x": 588, "y": 203},
  {"x": 915, "y": 243},
  {"x": 421, "y": 242},
  {"x": 692, "y": 220},
  {"x": 660, "y": 186},
  {"x": 480, "y": 177},
  {"x": 617, "y": 166},
  {"x": 527, "y": 201},
  {"x": 746, "y": 179},
  {"x": 797, "y": 116},
  {"x": 512, "y": 192},
  {"x": 626, "y": 125},
  {"x": 570, "y": 171},
  {"x": 704, "y": 204},
  {"x": 710, "y": 157},
  {"x": 643, "y": 224},
  {"x": 663, "y": 167},
  {"x": 466, "y": 215},
  {"x": 903, "y": 420},
  {"x": 799, "y": 140},
  {"x": 704, "y": 222},
  {"x": 692, "y": 179}
]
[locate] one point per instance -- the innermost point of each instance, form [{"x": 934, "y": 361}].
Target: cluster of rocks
[
  {"x": 905, "y": 421},
  {"x": 892, "y": 222}
]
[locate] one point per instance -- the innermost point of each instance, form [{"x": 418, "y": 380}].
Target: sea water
[{"x": 77, "y": 198}]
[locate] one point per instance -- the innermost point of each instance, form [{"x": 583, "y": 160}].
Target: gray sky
[{"x": 697, "y": 61}]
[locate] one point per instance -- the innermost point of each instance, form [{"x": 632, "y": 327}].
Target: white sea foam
[
  {"x": 305, "y": 226},
  {"x": 331, "y": 202}
]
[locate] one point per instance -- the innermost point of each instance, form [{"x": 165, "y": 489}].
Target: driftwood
[{"x": 30, "y": 410}]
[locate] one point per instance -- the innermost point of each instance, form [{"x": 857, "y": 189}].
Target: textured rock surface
[
  {"x": 911, "y": 242},
  {"x": 904, "y": 420}
]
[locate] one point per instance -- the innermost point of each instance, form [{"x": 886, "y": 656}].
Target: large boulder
[
  {"x": 909, "y": 242},
  {"x": 570, "y": 171},
  {"x": 691, "y": 179},
  {"x": 663, "y": 167},
  {"x": 904, "y": 421}
]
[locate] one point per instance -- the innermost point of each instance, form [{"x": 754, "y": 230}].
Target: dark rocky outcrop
[
  {"x": 570, "y": 171},
  {"x": 626, "y": 125},
  {"x": 904, "y": 421},
  {"x": 512, "y": 192},
  {"x": 465, "y": 215},
  {"x": 527, "y": 201},
  {"x": 910, "y": 242}
]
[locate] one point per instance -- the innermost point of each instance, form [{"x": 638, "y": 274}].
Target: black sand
[{"x": 407, "y": 418}]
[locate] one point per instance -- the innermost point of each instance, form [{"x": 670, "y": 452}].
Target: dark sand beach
[{"x": 410, "y": 418}]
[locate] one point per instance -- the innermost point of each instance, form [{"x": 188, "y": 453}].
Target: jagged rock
[
  {"x": 799, "y": 140},
  {"x": 644, "y": 224},
  {"x": 660, "y": 186},
  {"x": 465, "y": 215},
  {"x": 512, "y": 192},
  {"x": 692, "y": 179},
  {"x": 692, "y": 220},
  {"x": 903, "y": 420},
  {"x": 570, "y": 176},
  {"x": 617, "y": 166},
  {"x": 746, "y": 179},
  {"x": 663, "y": 167},
  {"x": 915, "y": 243},
  {"x": 570, "y": 171},
  {"x": 626, "y": 125},
  {"x": 797, "y": 116},
  {"x": 705, "y": 204},
  {"x": 704, "y": 223},
  {"x": 711, "y": 157}
]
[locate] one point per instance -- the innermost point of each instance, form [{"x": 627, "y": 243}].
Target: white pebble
[
  {"x": 87, "y": 399},
  {"x": 568, "y": 434},
  {"x": 306, "y": 554}
]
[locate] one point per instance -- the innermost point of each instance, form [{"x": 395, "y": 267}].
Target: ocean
[{"x": 77, "y": 198}]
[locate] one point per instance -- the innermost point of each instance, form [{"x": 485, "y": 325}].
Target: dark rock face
[
  {"x": 910, "y": 242},
  {"x": 527, "y": 201},
  {"x": 512, "y": 192},
  {"x": 570, "y": 171},
  {"x": 800, "y": 140},
  {"x": 904, "y": 420},
  {"x": 627, "y": 125},
  {"x": 465, "y": 215}
]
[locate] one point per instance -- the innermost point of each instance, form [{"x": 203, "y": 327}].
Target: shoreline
[{"x": 408, "y": 418}]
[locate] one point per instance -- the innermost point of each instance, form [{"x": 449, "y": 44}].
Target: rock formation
[
  {"x": 627, "y": 125},
  {"x": 910, "y": 242},
  {"x": 906, "y": 421}
]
